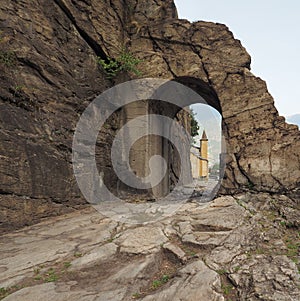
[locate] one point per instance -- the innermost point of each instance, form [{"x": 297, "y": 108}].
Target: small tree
[{"x": 194, "y": 124}]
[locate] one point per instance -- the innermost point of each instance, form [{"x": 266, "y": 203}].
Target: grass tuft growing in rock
[
  {"x": 227, "y": 289},
  {"x": 125, "y": 62},
  {"x": 7, "y": 58},
  {"x": 159, "y": 282},
  {"x": 4, "y": 292}
]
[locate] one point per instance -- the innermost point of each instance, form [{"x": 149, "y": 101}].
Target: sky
[
  {"x": 270, "y": 31},
  {"x": 209, "y": 120}
]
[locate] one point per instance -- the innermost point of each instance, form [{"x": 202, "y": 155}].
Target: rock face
[
  {"x": 208, "y": 52},
  {"x": 49, "y": 74}
]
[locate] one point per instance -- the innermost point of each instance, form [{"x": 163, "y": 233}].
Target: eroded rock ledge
[{"x": 236, "y": 248}]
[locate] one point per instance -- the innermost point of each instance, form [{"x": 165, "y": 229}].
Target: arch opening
[
  {"x": 179, "y": 173},
  {"x": 208, "y": 151},
  {"x": 163, "y": 139}
]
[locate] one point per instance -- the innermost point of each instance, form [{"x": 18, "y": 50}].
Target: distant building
[{"x": 199, "y": 158}]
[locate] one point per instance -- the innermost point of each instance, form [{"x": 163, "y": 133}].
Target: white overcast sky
[{"x": 270, "y": 31}]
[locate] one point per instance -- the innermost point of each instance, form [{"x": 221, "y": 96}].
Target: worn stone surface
[
  {"x": 176, "y": 251},
  {"x": 46, "y": 291},
  {"x": 85, "y": 256},
  {"x": 85, "y": 230},
  {"x": 187, "y": 287},
  {"x": 97, "y": 254},
  {"x": 141, "y": 240}
]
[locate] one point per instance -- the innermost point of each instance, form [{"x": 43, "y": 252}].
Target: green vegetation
[
  {"x": 19, "y": 88},
  {"x": 51, "y": 276},
  {"x": 7, "y": 58},
  {"x": 136, "y": 296},
  {"x": 282, "y": 223},
  {"x": 67, "y": 264},
  {"x": 259, "y": 251},
  {"x": 41, "y": 274},
  {"x": 286, "y": 224},
  {"x": 292, "y": 248},
  {"x": 292, "y": 243},
  {"x": 250, "y": 185},
  {"x": 130, "y": 8},
  {"x": 77, "y": 254},
  {"x": 194, "y": 124},
  {"x": 159, "y": 282},
  {"x": 125, "y": 62},
  {"x": 4, "y": 292},
  {"x": 189, "y": 252},
  {"x": 236, "y": 269},
  {"x": 227, "y": 289},
  {"x": 222, "y": 272}
]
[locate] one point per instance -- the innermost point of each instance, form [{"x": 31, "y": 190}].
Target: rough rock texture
[
  {"x": 237, "y": 249},
  {"x": 49, "y": 74},
  {"x": 241, "y": 247},
  {"x": 207, "y": 52}
]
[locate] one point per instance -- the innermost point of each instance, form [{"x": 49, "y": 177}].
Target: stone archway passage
[
  {"x": 168, "y": 99},
  {"x": 253, "y": 159},
  {"x": 262, "y": 150},
  {"x": 179, "y": 155}
]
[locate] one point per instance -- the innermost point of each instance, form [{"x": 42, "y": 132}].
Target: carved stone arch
[{"x": 262, "y": 150}]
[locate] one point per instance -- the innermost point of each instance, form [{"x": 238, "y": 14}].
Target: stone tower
[{"x": 204, "y": 156}]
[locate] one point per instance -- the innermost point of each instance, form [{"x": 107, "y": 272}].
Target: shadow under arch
[
  {"x": 203, "y": 89},
  {"x": 199, "y": 92}
]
